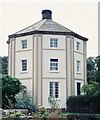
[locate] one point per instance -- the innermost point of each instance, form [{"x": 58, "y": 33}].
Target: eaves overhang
[{"x": 47, "y": 32}]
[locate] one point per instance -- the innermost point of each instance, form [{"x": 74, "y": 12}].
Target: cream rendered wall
[
  {"x": 61, "y": 41},
  {"x": 79, "y": 55},
  {"x": 70, "y": 66},
  {"x": 20, "y": 54},
  {"x": 18, "y": 72},
  {"x": 13, "y": 58},
  {"x": 79, "y": 75},
  {"x": 29, "y": 43},
  {"x": 81, "y": 45},
  {"x": 62, "y": 90},
  {"x": 28, "y": 84},
  {"x": 49, "y": 76},
  {"x": 58, "y": 53},
  {"x": 9, "y": 58}
]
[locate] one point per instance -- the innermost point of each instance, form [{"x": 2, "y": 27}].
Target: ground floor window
[
  {"x": 78, "y": 88},
  {"x": 54, "y": 89}
]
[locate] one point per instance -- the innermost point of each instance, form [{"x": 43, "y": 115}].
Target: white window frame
[
  {"x": 24, "y": 65},
  {"x": 24, "y": 44},
  {"x": 54, "y": 65},
  {"x": 53, "y": 42},
  {"x": 54, "y": 92},
  {"x": 77, "y": 46},
  {"x": 78, "y": 66}
]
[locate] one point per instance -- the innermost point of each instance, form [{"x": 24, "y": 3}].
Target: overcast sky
[{"x": 80, "y": 17}]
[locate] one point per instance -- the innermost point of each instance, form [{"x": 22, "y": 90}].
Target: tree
[
  {"x": 10, "y": 87},
  {"x": 91, "y": 69},
  {"x": 92, "y": 89},
  {"x": 98, "y": 69},
  {"x": 4, "y": 65}
]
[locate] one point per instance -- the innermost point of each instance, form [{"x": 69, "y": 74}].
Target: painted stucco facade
[{"x": 38, "y": 53}]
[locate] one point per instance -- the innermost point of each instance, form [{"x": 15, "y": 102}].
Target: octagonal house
[{"x": 49, "y": 59}]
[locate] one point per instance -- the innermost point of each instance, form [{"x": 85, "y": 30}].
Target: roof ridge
[
  {"x": 43, "y": 23},
  {"x": 62, "y": 26},
  {"x": 28, "y": 27}
]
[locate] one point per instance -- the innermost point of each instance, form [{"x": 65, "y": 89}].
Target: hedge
[{"x": 84, "y": 104}]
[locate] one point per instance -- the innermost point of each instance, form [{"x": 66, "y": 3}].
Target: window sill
[
  {"x": 56, "y": 99},
  {"x": 54, "y": 71},
  {"x": 78, "y": 72},
  {"x": 23, "y": 72}
]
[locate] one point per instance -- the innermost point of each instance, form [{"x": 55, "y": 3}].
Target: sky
[{"x": 77, "y": 15}]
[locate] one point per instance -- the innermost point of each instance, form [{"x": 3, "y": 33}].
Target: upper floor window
[
  {"x": 24, "y": 65},
  {"x": 78, "y": 66},
  {"x": 54, "y": 89},
  {"x": 78, "y": 46},
  {"x": 53, "y": 42},
  {"x": 24, "y": 44},
  {"x": 54, "y": 64}
]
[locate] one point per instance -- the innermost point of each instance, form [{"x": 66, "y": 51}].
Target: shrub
[
  {"x": 43, "y": 113},
  {"x": 14, "y": 115},
  {"x": 84, "y": 104},
  {"x": 24, "y": 100},
  {"x": 52, "y": 103}
]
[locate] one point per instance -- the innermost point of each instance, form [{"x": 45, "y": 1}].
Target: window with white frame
[
  {"x": 54, "y": 89},
  {"x": 54, "y": 64},
  {"x": 24, "y": 44},
  {"x": 24, "y": 65},
  {"x": 78, "y": 66},
  {"x": 78, "y": 46},
  {"x": 53, "y": 42}
]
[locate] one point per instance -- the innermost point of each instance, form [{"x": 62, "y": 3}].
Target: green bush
[
  {"x": 43, "y": 113},
  {"x": 24, "y": 101},
  {"x": 83, "y": 117},
  {"x": 14, "y": 115},
  {"x": 84, "y": 104}
]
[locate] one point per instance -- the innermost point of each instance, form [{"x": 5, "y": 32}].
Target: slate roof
[{"x": 46, "y": 26}]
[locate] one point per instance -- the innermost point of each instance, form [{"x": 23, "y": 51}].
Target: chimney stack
[{"x": 46, "y": 14}]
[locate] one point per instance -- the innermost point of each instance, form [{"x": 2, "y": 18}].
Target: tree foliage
[
  {"x": 93, "y": 69},
  {"x": 92, "y": 89},
  {"x": 98, "y": 69},
  {"x": 4, "y": 65},
  {"x": 10, "y": 87}
]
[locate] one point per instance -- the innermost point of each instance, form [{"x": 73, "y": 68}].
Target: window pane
[
  {"x": 24, "y": 44},
  {"x": 78, "y": 44},
  {"x": 54, "y": 64},
  {"x": 51, "y": 89},
  {"x": 78, "y": 65},
  {"x": 53, "y": 42},
  {"x": 24, "y": 65},
  {"x": 54, "y": 89}
]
